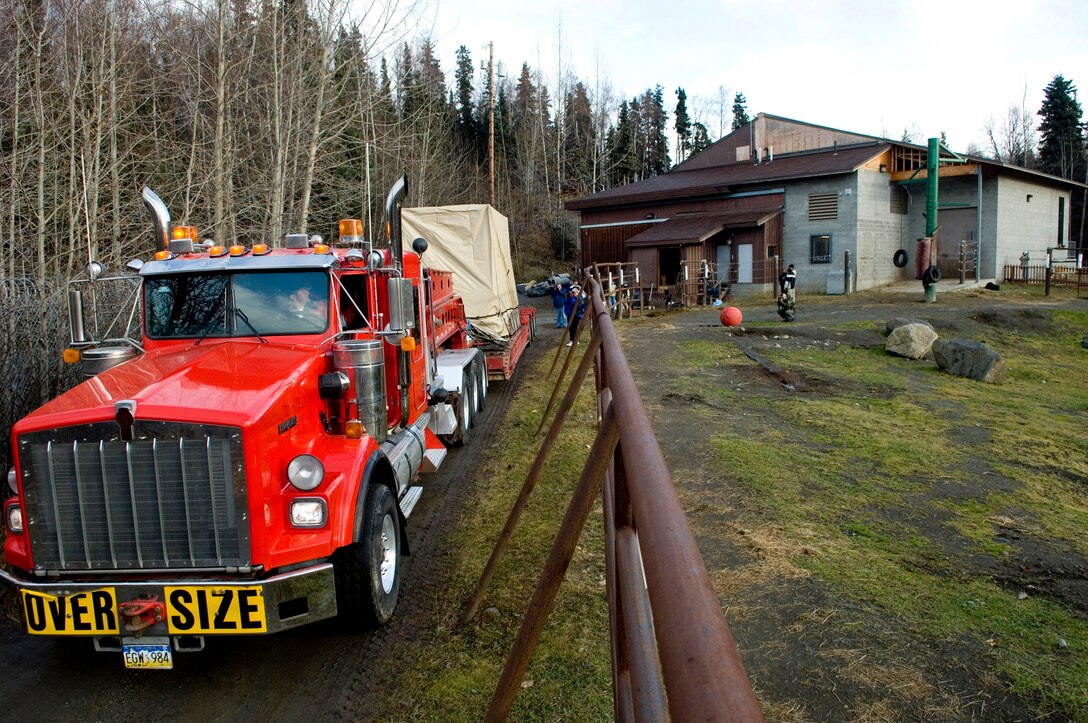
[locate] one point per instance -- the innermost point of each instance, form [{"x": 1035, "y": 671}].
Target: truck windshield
[{"x": 258, "y": 303}]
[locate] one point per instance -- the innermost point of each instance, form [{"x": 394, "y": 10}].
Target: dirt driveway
[{"x": 915, "y": 575}]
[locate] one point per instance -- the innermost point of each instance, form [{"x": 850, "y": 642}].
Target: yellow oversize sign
[
  {"x": 194, "y": 610},
  {"x": 92, "y": 612}
]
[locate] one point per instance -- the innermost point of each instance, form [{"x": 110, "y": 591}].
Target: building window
[
  {"x": 772, "y": 251},
  {"x": 1061, "y": 221},
  {"x": 821, "y": 249},
  {"x": 823, "y": 206},
  {"x": 899, "y": 200}
]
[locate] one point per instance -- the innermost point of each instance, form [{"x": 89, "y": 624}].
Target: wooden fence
[{"x": 1064, "y": 275}]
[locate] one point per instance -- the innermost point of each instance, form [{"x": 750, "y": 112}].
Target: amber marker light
[
  {"x": 217, "y": 251},
  {"x": 350, "y": 227},
  {"x": 321, "y": 249},
  {"x": 163, "y": 255},
  {"x": 353, "y": 429},
  {"x": 237, "y": 250},
  {"x": 260, "y": 249},
  {"x": 71, "y": 356},
  {"x": 408, "y": 343},
  {"x": 181, "y": 232}
]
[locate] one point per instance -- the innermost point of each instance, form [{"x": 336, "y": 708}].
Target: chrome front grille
[{"x": 172, "y": 498}]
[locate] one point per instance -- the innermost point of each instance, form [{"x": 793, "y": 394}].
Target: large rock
[
  {"x": 971, "y": 359},
  {"x": 911, "y": 340},
  {"x": 899, "y": 321}
]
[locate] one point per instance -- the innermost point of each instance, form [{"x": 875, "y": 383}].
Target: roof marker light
[
  {"x": 350, "y": 231},
  {"x": 164, "y": 255},
  {"x": 321, "y": 249},
  {"x": 188, "y": 232},
  {"x": 237, "y": 250},
  {"x": 217, "y": 250},
  {"x": 261, "y": 249}
]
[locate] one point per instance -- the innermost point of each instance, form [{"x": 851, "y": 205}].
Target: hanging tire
[
  {"x": 368, "y": 572},
  {"x": 900, "y": 258}
]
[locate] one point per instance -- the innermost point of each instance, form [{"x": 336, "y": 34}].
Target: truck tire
[
  {"x": 477, "y": 397},
  {"x": 481, "y": 387},
  {"x": 463, "y": 409},
  {"x": 532, "y": 328},
  {"x": 368, "y": 572}
]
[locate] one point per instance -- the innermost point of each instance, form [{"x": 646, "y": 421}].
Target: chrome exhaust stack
[
  {"x": 160, "y": 216},
  {"x": 392, "y": 221}
]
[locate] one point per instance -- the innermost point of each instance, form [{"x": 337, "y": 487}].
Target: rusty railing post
[
  {"x": 547, "y": 587},
  {"x": 527, "y": 487}
]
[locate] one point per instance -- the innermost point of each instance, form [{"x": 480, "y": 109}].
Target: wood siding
[
  {"x": 606, "y": 245},
  {"x": 669, "y": 209},
  {"x": 646, "y": 260}
]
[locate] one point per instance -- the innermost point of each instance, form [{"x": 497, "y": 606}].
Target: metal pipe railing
[
  {"x": 700, "y": 667},
  {"x": 671, "y": 647}
]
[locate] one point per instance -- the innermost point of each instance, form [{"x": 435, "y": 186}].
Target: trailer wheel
[
  {"x": 463, "y": 410},
  {"x": 481, "y": 387},
  {"x": 368, "y": 571}
]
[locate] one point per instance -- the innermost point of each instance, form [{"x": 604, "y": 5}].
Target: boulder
[
  {"x": 912, "y": 341},
  {"x": 899, "y": 321},
  {"x": 971, "y": 359}
]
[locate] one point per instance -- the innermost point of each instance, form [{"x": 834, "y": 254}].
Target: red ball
[{"x": 731, "y": 316}]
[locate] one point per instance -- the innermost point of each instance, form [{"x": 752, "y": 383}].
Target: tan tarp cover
[{"x": 472, "y": 241}]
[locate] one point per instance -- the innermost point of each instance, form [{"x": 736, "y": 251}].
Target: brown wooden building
[{"x": 779, "y": 191}]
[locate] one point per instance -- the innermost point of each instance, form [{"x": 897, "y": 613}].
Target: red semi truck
[{"x": 248, "y": 464}]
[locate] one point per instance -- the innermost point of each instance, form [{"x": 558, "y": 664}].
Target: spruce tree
[
  {"x": 468, "y": 128},
  {"x": 682, "y": 124},
  {"x": 700, "y": 138},
  {"x": 621, "y": 149},
  {"x": 740, "y": 111},
  {"x": 1062, "y": 149},
  {"x": 655, "y": 121}
]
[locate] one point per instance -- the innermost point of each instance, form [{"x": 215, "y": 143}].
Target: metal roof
[
  {"x": 698, "y": 227},
  {"x": 721, "y": 180}
]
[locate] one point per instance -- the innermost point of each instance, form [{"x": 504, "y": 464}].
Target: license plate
[
  {"x": 147, "y": 653},
  {"x": 91, "y": 612},
  {"x": 207, "y": 610}
]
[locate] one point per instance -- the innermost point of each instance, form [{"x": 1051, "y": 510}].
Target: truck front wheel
[{"x": 368, "y": 571}]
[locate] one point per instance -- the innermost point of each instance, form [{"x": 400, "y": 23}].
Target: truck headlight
[
  {"x": 15, "y": 519},
  {"x": 13, "y": 481},
  {"x": 305, "y": 472},
  {"x": 308, "y": 512}
]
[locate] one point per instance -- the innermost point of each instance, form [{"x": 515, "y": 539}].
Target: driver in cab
[{"x": 302, "y": 306}]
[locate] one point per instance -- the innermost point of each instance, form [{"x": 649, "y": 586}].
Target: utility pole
[{"x": 491, "y": 124}]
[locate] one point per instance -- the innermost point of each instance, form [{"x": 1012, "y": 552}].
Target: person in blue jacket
[
  {"x": 559, "y": 302},
  {"x": 576, "y": 309}
]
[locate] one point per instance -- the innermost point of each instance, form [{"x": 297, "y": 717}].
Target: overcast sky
[{"x": 875, "y": 67}]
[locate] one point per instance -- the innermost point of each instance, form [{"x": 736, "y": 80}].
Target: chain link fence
[{"x": 35, "y": 331}]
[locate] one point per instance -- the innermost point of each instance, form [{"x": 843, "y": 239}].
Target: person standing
[
  {"x": 787, "y": 292},
  {"x": 787, "y": 282},
  {"x": 559, "y": 302},
  {"x": 576, "y": 309}
]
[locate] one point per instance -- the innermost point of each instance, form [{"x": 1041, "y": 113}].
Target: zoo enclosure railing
[{"x": 673, "y": 655}]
